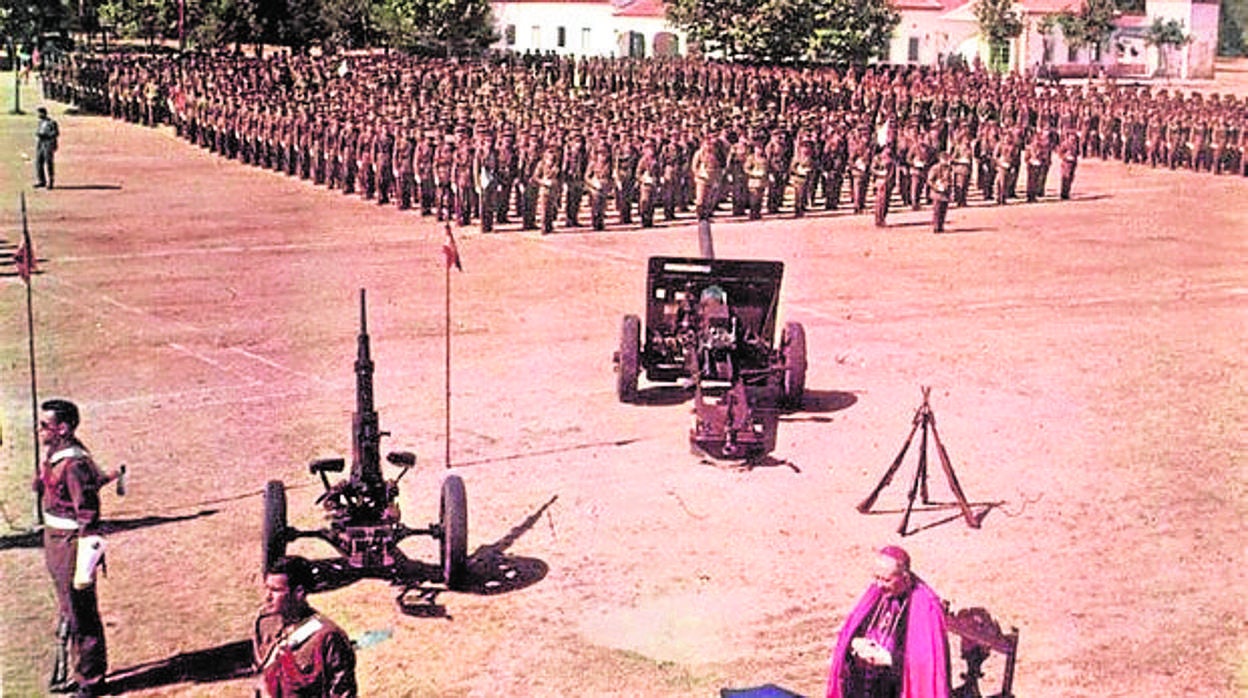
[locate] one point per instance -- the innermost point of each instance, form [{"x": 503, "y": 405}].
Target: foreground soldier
[
  {"x": 893, "y": 644},
  {"x": 69, "y": 483},
  {"x": 298, "y": 651}
]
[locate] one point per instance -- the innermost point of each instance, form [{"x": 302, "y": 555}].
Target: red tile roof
[{"x": 641, "y": 8}]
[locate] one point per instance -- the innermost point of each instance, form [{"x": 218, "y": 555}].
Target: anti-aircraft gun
[{"x": 363, "y": 509}]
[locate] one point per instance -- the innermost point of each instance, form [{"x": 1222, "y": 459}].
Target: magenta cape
[{"x": 925, "y": 653}]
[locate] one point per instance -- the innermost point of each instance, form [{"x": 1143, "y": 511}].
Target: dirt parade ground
[{"x": 1087, "y": 367}]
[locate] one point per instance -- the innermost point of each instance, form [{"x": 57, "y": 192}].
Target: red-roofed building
[
  {"x": 587, "y": 27},
  {"x": 929, "y": 31}
]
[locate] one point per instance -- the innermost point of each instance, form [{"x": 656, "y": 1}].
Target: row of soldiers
[{"x": 536, "y": 140}]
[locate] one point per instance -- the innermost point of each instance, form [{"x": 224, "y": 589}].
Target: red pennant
[
  {"x": 24, "y": 258},
  {"x": 451, "y": 250}
]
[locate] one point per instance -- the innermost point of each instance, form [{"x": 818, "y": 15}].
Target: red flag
[
  {"x": 24, "y": 258},
  {"x": 451, "y": 250}
]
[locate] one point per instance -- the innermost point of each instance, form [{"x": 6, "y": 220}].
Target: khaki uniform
[{"x": 311, "y": 658}]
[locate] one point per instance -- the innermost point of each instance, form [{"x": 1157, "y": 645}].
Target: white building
[
  {"x": 637, "y": 28},
  {"x": 929, "y": 31}
]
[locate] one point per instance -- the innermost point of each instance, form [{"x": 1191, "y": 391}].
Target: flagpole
[
  {"x": 447, "y": 381},
  {"x": 30, "y": 348}
]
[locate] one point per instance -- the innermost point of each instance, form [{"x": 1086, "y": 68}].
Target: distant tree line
[{"x": 431, "y": 26}]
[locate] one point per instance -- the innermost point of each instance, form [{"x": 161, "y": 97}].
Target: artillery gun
[
  {"x": 712, "y": 323},
  {"x": 363, "y": 509}
]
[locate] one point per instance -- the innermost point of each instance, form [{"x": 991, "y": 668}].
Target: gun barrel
[{"x": 366, "y": 434}]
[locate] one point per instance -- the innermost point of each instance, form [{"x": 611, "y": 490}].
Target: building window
[
  {"x": 585, "y": 40},
  {"x": 510, "y": 34},
  {"x": 561, "y": 37},
  {"x": 1072, "y": 54},
  {"x": 636, "y": 45},
  {"x": 999, "y": 57},
  {"x": 535, "y": 37},
  {"x": 912, "y": 51}
]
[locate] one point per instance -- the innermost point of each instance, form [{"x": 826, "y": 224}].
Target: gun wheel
[
  {"x": 273, "y": 535},
  {"x": 793, "y": 345},
  {"x": 629, "y": 359},
  {"x": 453, "y": 517}
]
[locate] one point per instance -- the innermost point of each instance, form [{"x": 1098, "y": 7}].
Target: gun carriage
[
  {"x": 363, "y": 509},
  {"x": 712, "y": 323}
]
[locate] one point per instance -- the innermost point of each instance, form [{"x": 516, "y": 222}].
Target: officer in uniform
[
  {"x": 298, "y": 651},
  {"x": 648, "y": 175},
  {"x": 69, "y": 484},
  {"x": 46, "y": 135},
  {"x": 884, "y": 173},
  {"x": 939, "y": 182},
  {"x": 756, "y": 180},
  {"x": 1068, "y": 151}
]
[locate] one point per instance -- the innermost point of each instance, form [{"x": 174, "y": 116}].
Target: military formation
[{"x": 539, "y": 141}]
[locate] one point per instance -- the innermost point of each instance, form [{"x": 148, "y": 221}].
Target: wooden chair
[{"x": 980, "y": 636}]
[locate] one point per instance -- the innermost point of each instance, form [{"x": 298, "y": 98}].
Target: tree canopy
[
  {"x": 441, "y": 25},
  {"x": 849, "y": 31}
]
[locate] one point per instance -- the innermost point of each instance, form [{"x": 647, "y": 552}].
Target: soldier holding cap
[{"x": 69, "y": 484}]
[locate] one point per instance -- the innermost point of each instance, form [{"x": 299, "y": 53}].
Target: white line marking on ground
[
  {"x": 273, "y": 364},
  {"x": 215, "y": 364}
]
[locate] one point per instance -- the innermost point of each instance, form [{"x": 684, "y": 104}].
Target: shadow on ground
[
  {"x": 490, "y": 571},
  {"x": 226, "y": 662},
  {"x": 34, "y": 538}
]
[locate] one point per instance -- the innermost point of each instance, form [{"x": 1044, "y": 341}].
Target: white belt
[{"x": 58, "y": 522}]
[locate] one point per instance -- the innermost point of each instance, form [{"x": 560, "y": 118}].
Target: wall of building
[
  {"x": 589, "y": 29},
  {"x": 1200, "y": 21},
  {"x": 922, "y": 38}
]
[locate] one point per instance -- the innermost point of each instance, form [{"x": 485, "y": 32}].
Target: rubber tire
[
  {"x": 453, "y": 519},
  {"x": 793, "y": 345},
  {"x": 273, "y": 534},
  {"x": 630, "y": 359}
]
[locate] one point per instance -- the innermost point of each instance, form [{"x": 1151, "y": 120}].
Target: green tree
[
  {"x": 1165, "y": 35},
  {"x": 222, "y": 23},
  {"x": 1231, "y": 35},
  {"x": 1092, "y": 26},
  {"x": 998, "y": 23},
  {"x": 141, "y": 19},
  {"x": 853, "y": 31},
  {"x": 785, "y": 30},
  {"x": 458, "y": 25}
]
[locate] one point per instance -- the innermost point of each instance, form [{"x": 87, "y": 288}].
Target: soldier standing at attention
[
  {"x": 800, "y": 170},
  {"x": 298, "y": 651},
  {"x": 1069, "y": 153},
  {"x": 443, "y": 167},
  {"x": 939, "y": 181},
  {"x": 69, "y": 484},
  {"x": 47, "y": 133},
  {"x": 648, "y": 175},
  {"x": 707, "y": 172},
  {"x": 547, "y": 176},
  {"x": 599, "y": 185},
  {"x": 883, "y": 171}
]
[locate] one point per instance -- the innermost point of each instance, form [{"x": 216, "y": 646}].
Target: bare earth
[{"x": 1088, "y": 367}]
